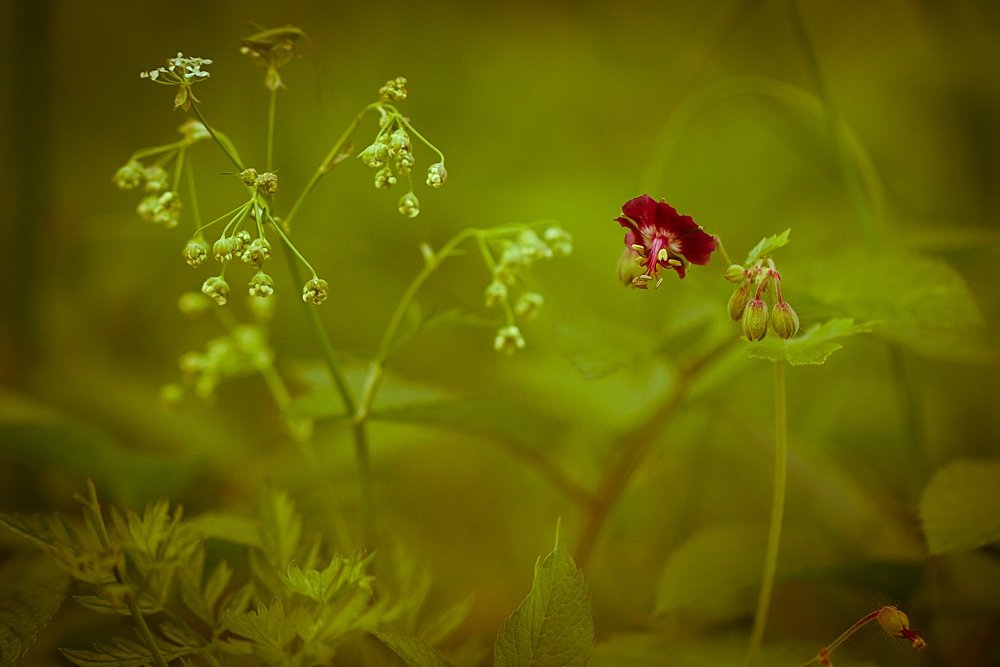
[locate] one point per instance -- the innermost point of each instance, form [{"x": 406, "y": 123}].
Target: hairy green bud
[
  {"x": 735, "y": 274},
  {"x": 755, "y": 320},
  {"x": 738, "y": 301},
  {"x": 784, "y": 321}
]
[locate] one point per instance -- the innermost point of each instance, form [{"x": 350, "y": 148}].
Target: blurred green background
[{"x": 545, "y": 110}]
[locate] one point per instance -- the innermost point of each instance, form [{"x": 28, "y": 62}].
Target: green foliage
[
  {"x": 923, "y": 302},
  {"x": 30, "y": 595},
  {"x": 143, "y": 564},
  {"x": 812, "y": 347},
  {"x": 413, "y": 651},
  {"x": 766, "y": 247},
  {"x": 553, "y": 626},
  {"x": 960, "y": 508}
]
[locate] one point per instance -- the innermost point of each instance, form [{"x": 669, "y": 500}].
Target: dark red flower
[{"x": 659, "y": 237}]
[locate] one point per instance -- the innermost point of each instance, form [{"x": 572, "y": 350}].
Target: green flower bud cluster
[
  {"x": 161, "y": 205},
  {"x": 756, "y": 286},
  {"x": 509, "y": 255},
  {"x": 391, "y": 153},
  {"x": 161, "y": 209},
  {"x": 394, "y": 90},
  {"x": 241, "y": 352}
]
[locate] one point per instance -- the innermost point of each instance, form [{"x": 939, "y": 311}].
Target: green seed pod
[
  {"x": 893, "y": 621},
  {"x": 755, "y": 320},
  {"x": 784, "y": 321},
  {"x": 738, "y": 301}
]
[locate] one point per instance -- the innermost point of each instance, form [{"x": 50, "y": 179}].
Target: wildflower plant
[
  {"x": 246, "y": 238},
  {"x": 276, "y": 594}
]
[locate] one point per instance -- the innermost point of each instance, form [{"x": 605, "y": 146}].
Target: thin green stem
[
  {"x": 224, "y": 145},
  {"x": 271, "y": 109},
  {"x": 358, "y": 429},
  {"x": 346, "y": 396},
  {"x": 147, "y": 636},
  {"x": 777, "y": 514},
  {"x": 327, "y": 164},
  {"x": 179, "y": 167},
  {"x": 93, "y": 507},
  {"x": 402, "y": 121},
  {"x": 193, "y": 193},
  {"x": 431, "y": 265},
  {"x": 156, "y": 150},
  {"x": 291, "y": 246}
]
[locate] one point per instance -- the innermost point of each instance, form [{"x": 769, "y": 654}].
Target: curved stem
[
  {"x": 224, "y": 145},
  {"x": 777, "y": 513},
  {"x": 327, "y": 163},
  {"x": 634, "y": 447}
]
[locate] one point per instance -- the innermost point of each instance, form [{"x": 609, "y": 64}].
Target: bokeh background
[{"x": 545, "y": 110}]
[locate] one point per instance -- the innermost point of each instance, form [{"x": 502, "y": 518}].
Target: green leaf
[
  {"x": 127, "y": 653},
  {"x": 499, "y": 418},
  {"x": 924, "y": 302},
  {"x": 716, "y": 571},
  {"x": 326, "y": 584},
  {"x": 766, "y": 246},
  {"x": 553, "y": 626},
  {"x": 704, "y": 572},
  {"x": 31, "y": 592},
  {"x": 812, "y": 347},
  {"x": 413, "y": 651},
  {"x": 269, "y": 627},
  {"x": 960, "y": 507},
  {"x": 280, "y": 528}
]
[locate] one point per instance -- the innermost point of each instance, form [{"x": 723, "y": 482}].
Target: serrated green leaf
[
  {"x": 960, "y": 507},
  {"x": 270, "y": 627},
  {"x": 326, "y": 584},
  {"x": 811, "y": 348},
  {"x": 413, "y": 651},
  {"x": 766, "y": 246},
  {"x": 280, "y": 528},
  {"x": 553, "y": 626},
  {"x": 127, "y": 653},
  {"x": 31, "y": 592}
]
